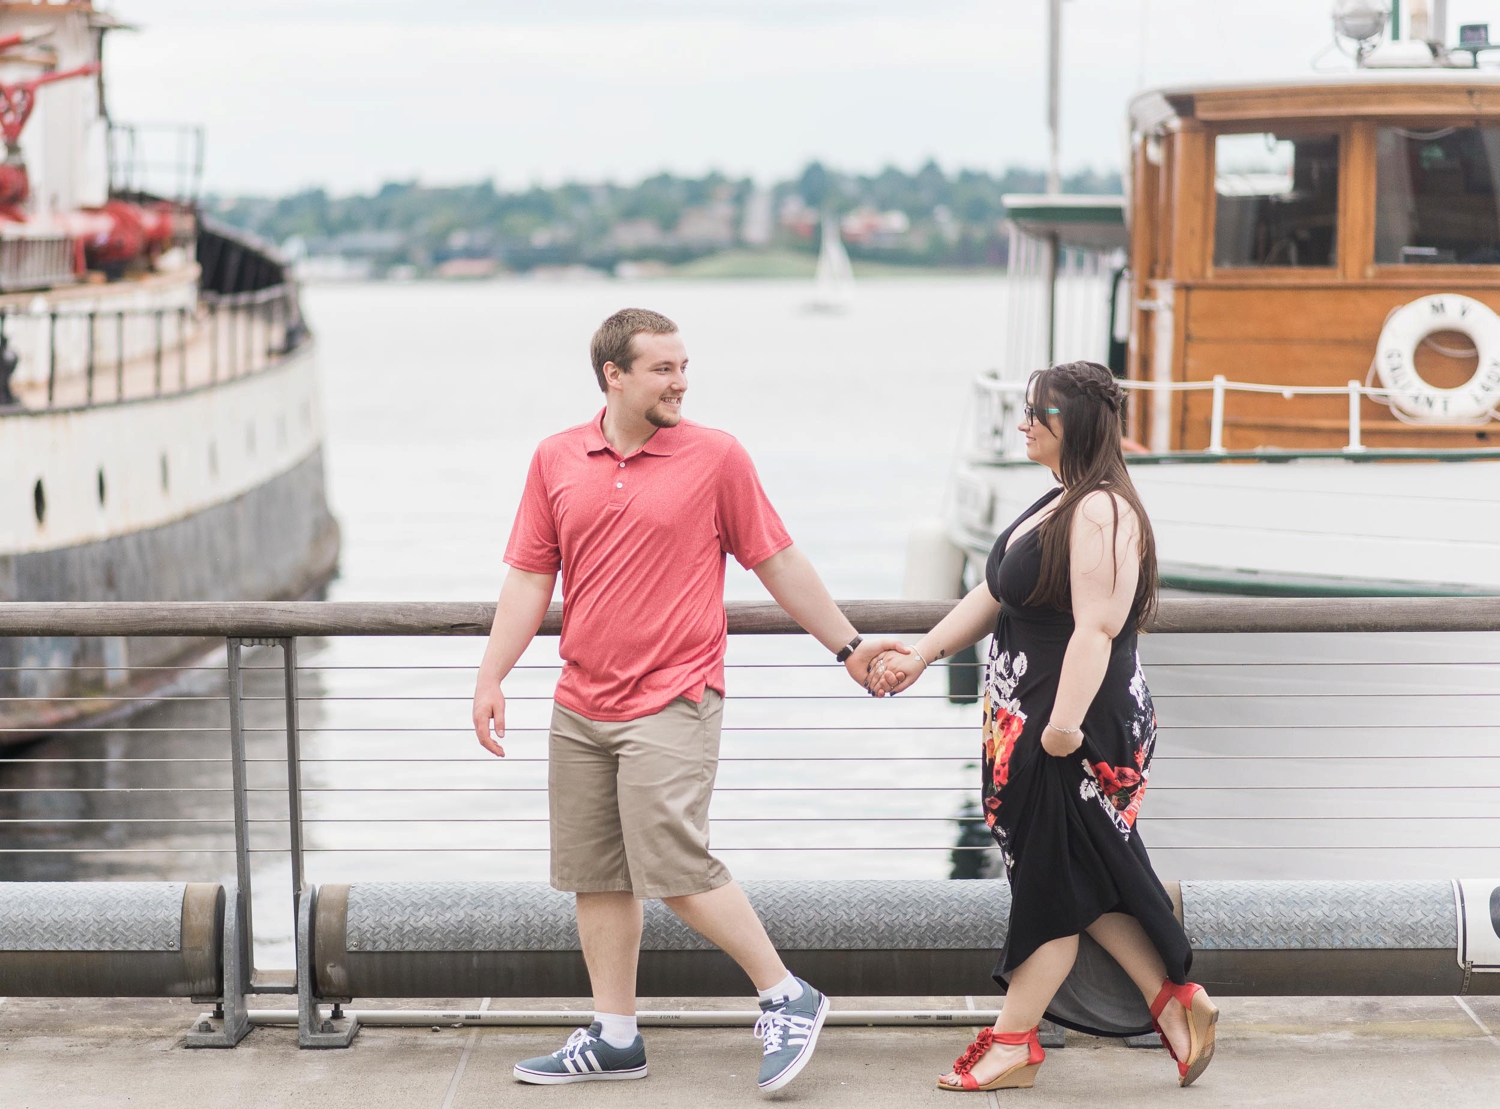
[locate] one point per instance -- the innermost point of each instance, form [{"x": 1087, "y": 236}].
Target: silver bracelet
[
  {"x": 1064, "y": 731},
  {"x": 918, "y": 653}
]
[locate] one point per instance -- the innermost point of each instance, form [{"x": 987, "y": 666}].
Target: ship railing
[
  {"x": 68, "y": 358},
  {"x": 158, "y": 160},
  {"x": 1000, "y": 405},
  {"x": 331, "y": 742}
]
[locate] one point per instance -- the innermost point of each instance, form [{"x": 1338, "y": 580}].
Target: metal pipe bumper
[
  {"x": 111, "y": 939},
  {"x": 455, "y": 939}
]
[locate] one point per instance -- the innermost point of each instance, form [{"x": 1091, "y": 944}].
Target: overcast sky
[{"x": 350, "y": 93}]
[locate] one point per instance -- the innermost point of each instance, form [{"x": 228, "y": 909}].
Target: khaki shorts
[{"x": 629, "y": 801}]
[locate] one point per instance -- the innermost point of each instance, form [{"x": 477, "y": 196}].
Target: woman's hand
[
  {"x": 1058, "y": 743},
  {"x": 895, "y": 671}
]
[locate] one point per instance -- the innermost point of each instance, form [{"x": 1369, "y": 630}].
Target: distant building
[
  {"x": 640, "y": 271},
  {"x": 466, "y": 269},
  {"x": 759, "y": 221},
  {"x": 710, "y": 225},
  {"x": 636, "y": 234},
  {"x": 868, "y": 227},
  {"x": 321, "y": 269},
  {"x": 797, "y": 217}
]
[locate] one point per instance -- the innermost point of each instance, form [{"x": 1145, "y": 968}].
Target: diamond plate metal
[
  {"x": 799, "y": 916},
  {"x": 1321, "y": 916},
  {"x": 91, "y": 916}
]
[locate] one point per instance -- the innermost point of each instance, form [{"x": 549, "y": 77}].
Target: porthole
[
  {"x": 213, "y": 460},
  {"x": 39, "y": 502},
  {"x": 101, "y": 486},
  {"x": 164, "y": 482}
]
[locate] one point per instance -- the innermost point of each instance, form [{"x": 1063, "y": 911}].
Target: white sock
[
  {"x": 615, "y": 1030},
  {"x": 788, "y": 989}
]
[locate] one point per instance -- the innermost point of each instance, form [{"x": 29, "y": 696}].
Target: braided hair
[{"x": 1090, "y": 404}]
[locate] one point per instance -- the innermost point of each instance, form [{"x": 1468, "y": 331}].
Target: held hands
[
  {"x": 862, "y": 663},
  {"x": 1059, "y": 743},
  {"x": 894, "y": 670},
  {"x": 489, "y": 706}
]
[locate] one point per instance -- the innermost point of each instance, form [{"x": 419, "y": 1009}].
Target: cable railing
[
  {"x": 1000, "y": 404},
  {"x": 316, "y": 742}
]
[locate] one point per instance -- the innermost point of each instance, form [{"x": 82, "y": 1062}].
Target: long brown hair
[{"x": 1089, "y": 402}]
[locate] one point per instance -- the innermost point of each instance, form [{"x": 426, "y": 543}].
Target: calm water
[{"x": 436, "y": 396}]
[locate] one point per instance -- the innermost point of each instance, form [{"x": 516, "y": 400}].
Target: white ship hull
[{"x": 1319, "y": 525}]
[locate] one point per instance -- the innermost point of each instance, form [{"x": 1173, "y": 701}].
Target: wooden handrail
[{"x": 275, "y": 619}]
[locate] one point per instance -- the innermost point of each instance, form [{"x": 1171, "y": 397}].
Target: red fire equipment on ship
[{"x": 109, "y": 236}]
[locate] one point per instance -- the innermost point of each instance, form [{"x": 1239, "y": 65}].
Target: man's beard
[{"x": 659, "y": 416}]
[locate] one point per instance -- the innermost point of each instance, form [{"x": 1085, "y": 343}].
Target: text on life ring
[{"x": 1395, "y": 358}]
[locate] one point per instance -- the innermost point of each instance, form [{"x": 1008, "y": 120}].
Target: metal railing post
[
  {"x": 120, "y": 355},
  {"x": 293, "y": 764},
  {"x": 89, "y": 385},
  {"x": 241, "y": 796},
  {"x": 213, "y": 341},
  {"x": 248, "y": 309},
  {"x": 159, "y": 314},
  {"x": 51, "y": 357},
  {"x": 1354, "y": 429},
  {"x": 1216, "y": 420},
  {"x": 232, "y": 345},
  {"x": 182, "y": 357}
]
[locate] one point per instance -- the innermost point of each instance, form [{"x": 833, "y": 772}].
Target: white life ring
[{"x": 1395, "y": 359}]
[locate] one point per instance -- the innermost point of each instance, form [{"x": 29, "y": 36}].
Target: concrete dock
[{"x": 1324, "y": 1052}]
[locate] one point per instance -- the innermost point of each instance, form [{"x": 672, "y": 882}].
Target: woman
[{"x": 1068, "y": 734}]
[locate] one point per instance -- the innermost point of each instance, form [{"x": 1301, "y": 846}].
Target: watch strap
[{"x": 849, "y": 648}]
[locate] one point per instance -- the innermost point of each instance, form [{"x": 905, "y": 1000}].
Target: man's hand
[
  {"x": 523, "y": 603},
  {"x": 489, "y": 706},
  {"x": 861, "y": 663}
]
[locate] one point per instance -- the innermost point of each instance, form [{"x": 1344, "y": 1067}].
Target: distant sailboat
[{"x": 833, "y": 283}]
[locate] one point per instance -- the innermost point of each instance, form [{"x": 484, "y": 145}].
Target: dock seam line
[
  {"x": 463, "y": 1060},
  {"x": 1464, "y": 1005}
]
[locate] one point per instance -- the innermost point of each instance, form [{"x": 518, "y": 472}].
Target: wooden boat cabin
[{"x": 1340, "y": 234}]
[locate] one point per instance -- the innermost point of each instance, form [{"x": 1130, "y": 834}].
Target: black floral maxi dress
[{"x": 1066, "y": 826}]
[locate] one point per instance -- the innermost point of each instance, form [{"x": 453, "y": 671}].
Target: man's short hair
[{"x": 612, "y": 342}]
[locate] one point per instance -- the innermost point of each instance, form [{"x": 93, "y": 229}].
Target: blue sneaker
[
  {"x": 586, "y": 1057},
  {"x": 789, "y": 1031}
]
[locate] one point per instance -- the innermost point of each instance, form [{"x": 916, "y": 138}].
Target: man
[{"x": 638, "y": 508}]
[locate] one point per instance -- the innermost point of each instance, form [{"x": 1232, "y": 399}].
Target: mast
[
  {"x": 1054, "y": 83},
  {"x": 1054, "y": 173}
]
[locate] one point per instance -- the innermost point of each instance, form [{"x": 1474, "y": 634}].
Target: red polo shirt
[{"x": 641, "y": 541}]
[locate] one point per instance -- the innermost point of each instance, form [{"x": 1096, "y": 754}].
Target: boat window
[
  {"x": 1276, "y": 200},
  {"x": 1436, "y": 196}
]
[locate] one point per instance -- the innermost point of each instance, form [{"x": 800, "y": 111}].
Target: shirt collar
[{"x": 663, "y": 443}]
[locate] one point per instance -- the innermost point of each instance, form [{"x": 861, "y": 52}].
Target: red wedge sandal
[
  {"x": 1018, "y": 1077},
  {"x": 1202, "y": 1015}
]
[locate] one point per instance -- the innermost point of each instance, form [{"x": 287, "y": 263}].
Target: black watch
[{"x": 849, "y": 648}]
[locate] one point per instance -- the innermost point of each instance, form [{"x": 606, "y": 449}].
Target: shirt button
[
  {"x": 622, "y": 465},
  {"x": 619, "y": 485}
]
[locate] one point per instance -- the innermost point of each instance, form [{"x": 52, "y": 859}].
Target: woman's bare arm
[
  {"x": 969, "y": 622},
  {"x": 1104, "y": 569}
]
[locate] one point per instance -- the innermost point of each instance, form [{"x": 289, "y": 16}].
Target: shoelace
[
  {"x": 775, "y": 1024},
  {"x": 577, "y": 1044}
]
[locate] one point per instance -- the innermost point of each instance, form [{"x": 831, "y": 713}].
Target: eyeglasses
[{"x": 1031, "y": 412}]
